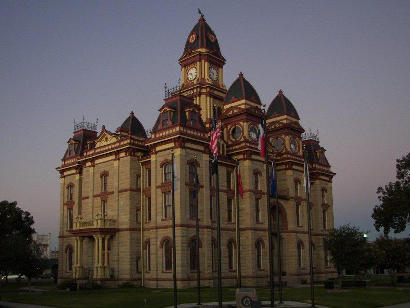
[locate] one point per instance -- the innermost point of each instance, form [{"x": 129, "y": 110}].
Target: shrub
[
  {"x": 126, "y": 285},
  {"x": 67, "y": 284}
]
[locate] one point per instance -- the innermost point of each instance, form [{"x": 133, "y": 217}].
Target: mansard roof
[
  {"x": 241, "y": 89},
  {"x": 132, "y": 126},
  {"x": 281, "y": 105},
  {"x": 202, "y": 37},
  {"x": 315, "y": 153}
]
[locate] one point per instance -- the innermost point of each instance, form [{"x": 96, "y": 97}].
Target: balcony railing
[{"x": 100, "y": 221}]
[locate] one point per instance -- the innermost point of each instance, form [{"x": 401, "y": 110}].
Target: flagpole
[
  {"x": 174, "y": 253},
  {"x": 213, "y": 145},
  {"x": 278, "y": 234},
  {"x": 238, "y": 237},
  {"x": 307, "y": 186},
  {"x": 271, "y": 282},
  {"x": 198, "y": 272}
]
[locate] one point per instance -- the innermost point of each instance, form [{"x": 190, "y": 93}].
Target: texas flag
[{"x": 261, "y": 141}]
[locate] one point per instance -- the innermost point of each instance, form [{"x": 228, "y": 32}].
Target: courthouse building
[{"x": 115, "y": 186}]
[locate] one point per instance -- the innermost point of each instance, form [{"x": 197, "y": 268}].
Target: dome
[
  {"x": 281, "y": 105},
  {"x": 133, "y": 126},
  {"x": 241, "y": 89},
  {"x": 202, "y": 36}
]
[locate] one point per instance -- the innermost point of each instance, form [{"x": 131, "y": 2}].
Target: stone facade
[{"x": 116, "y": 187}]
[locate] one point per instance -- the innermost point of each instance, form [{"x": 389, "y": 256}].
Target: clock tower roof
[
  {"x": 281, "y": 105},
  {"x": 202, "y": 37},
  {"x": 241, "y": 89}
]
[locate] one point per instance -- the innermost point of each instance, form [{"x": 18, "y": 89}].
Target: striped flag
[{"x": 215, "y": 135}]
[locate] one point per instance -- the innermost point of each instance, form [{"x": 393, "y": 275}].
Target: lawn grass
[{"x": 134, "y": 296}]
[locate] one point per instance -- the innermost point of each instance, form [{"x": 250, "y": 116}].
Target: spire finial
[{"x": 200, "y": 13}]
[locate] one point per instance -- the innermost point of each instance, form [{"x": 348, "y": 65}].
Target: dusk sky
[{"x": 345, "y": 65}]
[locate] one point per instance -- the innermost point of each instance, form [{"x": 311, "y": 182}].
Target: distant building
[
  {"x": 43, "y": 240},
  {"x": 115, "y": 187},
  {"x": 54, "y": 254}
]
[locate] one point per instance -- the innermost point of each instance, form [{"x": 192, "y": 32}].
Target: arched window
[
  {"x": 259, "y": 247},
  {"x": 231, "y": 255},
  {"x": 256, "y": 181},
  {"x": 148, "y": 256},
  {"x": 104, "y": 178},
  {"x": 69, "y": 258},
  {"x": 193, "y": 259},
  {"x": 167, "y": 173},
  {"x": 167, "y": 255},
  {"x": 300, "y": 254}
]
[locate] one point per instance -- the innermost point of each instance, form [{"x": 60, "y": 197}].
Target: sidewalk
[{"x": 286, "y": 304}]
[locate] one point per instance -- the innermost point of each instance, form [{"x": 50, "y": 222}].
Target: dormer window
[
  {"x": 193, "y": 118},
  {"x": 165, "y": 118},
  {"x": 70, "y": 149}
]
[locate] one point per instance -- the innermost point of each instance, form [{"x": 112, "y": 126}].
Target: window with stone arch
[
  {"x": 70, "y": 192},
  {"x": 69, "y": 258},
  {"x": 167, "y": 254},
  {"x": 259, "y": 254},
  {"x": 300, "y": 253},
  {"x": 231, "y": 255},
  {"x": 167, "y": 172}
]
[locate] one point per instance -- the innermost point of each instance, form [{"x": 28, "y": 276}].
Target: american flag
[{"x": 215, "y": 135}]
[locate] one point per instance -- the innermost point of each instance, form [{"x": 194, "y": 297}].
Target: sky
[{"x": 344, "y": 65}]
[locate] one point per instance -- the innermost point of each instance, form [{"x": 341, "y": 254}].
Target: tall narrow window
[
  {"x": 167, "y": 204},
  {"x": 192, "y": 204},
  {"x": 70, "y": 193},
  {"x": 148, "y": 177},
  {"x": 193, "y": 264},
  {"x": 231, "y": 256},
  {"x": 104, "y": 207},
  {"x": 148, "y": 256},
  {"x": 70, "y": 218},
  {"x": 297, "y": 189},
  {"x": 192, "y": 172},
  {"x": 324, "y": 196},
  {"x": 229, "y": 210},
  {"x": 228, "y": 179},
  {"x": 257, "y": 211},
  {"x": 167, "y": 258},
  {"x": 300, "y": 254},
  {"x": 259, "y": 255},
  {"x": 165, "y": 119},
  {"x": 324, "y": 219},
  {"x": 297, "y": 214},
  {"x": 256, "y": 181},
  {"x": 148, "y": 209},
  {"x": 138, "y": 215},
  {"x": 69, "y": 260},
  {"x": 167, "y": 173},
  {"x": 104, "y": 183}
]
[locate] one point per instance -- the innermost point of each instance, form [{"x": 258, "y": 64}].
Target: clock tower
[{"x": 202, "y": 70}]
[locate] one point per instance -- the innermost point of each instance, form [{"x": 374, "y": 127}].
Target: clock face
[
  {"x": 236, "y": 132},
  {"x": 192, "y": 74},
  {"x": 253, "y": 132},
  {"x": 293, "y": 145},
  {"x": 277, "y": 144},
  {"x": 213, "y": 74}
]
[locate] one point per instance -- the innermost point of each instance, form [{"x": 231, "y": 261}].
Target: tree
[
  {"x": 394, "y": 254},
  {"x": 15, "y": 236},
  {"x": 393, "y": 212},
  {"x": 348, "y": 249}
]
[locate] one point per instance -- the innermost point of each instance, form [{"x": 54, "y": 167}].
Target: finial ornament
[{"x": 200, "y": 13}]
